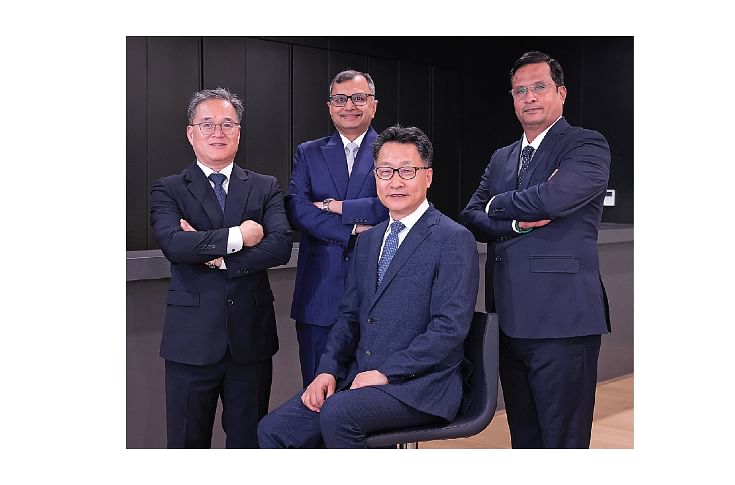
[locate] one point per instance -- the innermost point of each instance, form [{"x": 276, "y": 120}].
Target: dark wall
[{"x": 453, "y": 88}]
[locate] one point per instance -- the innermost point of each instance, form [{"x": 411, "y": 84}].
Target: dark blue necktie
[
  {"x": 389, "y": 249},
  {"x": 526, "y": 156},
  {"x": 219, "y": 190}
]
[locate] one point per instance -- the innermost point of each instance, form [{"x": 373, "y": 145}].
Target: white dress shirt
[
  {"x": 409, "y": 221},
  {"x": 234, "y": 237}
]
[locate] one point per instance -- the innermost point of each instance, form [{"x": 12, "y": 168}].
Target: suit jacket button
[
  {"x": 347, "y": 258},
  {"x": 368, "y": 353},
  {"x": 370, "y": 320},
  {"x": 498, "y": 259},
  {"x": 230, "y": 302}
]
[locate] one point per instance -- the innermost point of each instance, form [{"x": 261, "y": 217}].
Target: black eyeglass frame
[
  {"x": 349, "y": 98},
  {"x": 398, "y": 170}
]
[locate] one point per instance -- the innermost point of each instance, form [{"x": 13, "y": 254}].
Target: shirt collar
[
  {"x": 410, "y": 220},
  {"x": 227, "y": 171},
  {"x": 358, "y": 140},
  {"x": 537, "y": 141}
]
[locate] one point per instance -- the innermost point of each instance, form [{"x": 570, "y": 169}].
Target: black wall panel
[
  {"x": 310, "y": 84},
  {"x": 414, "y": 96},
  {"x": 267, "y": 128},
  {"x": 446, "y": 137},
  {"x": 136, "y": 145},
  {"x": 342, "y": 61},
  {"x": 385, "y": 76}
]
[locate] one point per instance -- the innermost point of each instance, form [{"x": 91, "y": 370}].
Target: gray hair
[
  {"x": 351, "y": 74},
  {"x": 219, "y": 93}
]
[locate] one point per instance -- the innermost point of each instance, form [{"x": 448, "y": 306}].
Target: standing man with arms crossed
[
  {"x": 539, "y": 204},
  {"x": 221, "y": 227},
  {"x": 393, "y": 355},
  {"x": 331, "y": 199}
]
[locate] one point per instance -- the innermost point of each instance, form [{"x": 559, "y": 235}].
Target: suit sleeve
[
  {"x": 474, "y": 217},
  {"x": 582, "y": 176},
  {"x": 367, "y": 210},
  {"x": 275, "y": 247},
  {"x": 180, "y": 246},
  {"x": 453, "y": 297},
  {"x": 302, "y": 213},
  {"x": 344, "y": 335}
]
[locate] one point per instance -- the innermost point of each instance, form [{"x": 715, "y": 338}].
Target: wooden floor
[{"x": 612, "y": 426}]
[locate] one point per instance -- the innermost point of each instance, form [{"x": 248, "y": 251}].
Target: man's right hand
[
  {"x": 252, "y": 233},
  {"x": 362, "y": 228},
  {"x": 318, "y": 391}
]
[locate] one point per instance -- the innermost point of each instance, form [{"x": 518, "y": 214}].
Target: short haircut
[
  {"x": 536, "y": 57},
  {"x": 219, "y": 93},
  {"x": 408, "y": 134},
  {"x": 352, "y": 74}
]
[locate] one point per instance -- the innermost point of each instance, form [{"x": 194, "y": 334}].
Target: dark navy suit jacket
[
  {"x": 320, "y": 172},
  {"x": 211, "y": 309},
  {"x": 546, "y": 283},
  {"x": 412, "y": 328}
]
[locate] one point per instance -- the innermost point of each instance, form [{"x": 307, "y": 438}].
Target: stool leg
[{"x": 408, "y": 446}]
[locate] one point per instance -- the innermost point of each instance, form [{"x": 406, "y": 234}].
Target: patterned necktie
[
  {"x": 526, "y": 156},
  {"x": 219, "y": 190},
  {"x": 389, "y": 249},
  {"x": 350, "y": 152}
]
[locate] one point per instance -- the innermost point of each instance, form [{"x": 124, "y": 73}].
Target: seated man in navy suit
[{"x": 393, "y": 354}]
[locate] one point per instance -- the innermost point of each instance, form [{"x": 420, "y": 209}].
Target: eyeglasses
[
  {"x": 521, "y": 91},
  {"x": 358, "y": 99},
  {"x": 406, "y": 173},
  {"x": 207, "y": 127}
]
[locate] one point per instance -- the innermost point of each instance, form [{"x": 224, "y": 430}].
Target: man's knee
[
  {"x": 336, "y": 416},
  {"x": 267, "y": 437}
]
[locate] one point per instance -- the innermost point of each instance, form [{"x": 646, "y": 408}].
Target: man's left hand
[{"x": 369, "y": 378}]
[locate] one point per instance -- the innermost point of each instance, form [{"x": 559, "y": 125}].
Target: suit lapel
[
  {"x": 544, "y": 149},
  {"x": 511, "y": 169},
  {"x": 419, "y": 232},
  {"x": 336, "y": 161},
  {"x": 363, "y": 166},
  {"x": 202, "y": 191},
  {"x": 237, "y": 196}
]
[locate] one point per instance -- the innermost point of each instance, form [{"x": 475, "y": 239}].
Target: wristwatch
[{"x": 325, "y": 204}]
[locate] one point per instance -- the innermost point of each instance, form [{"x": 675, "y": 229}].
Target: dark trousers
[
  {"x": 191, "y": 401},
  {"x": 549, "y": 390},
  {"x": 345, "y": 420},
  {"x": 312, "y": 340}
]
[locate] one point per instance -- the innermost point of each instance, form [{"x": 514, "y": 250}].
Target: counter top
[{"x": 151, "y": 264}]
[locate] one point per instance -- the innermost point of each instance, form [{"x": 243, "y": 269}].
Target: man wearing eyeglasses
[
  {"x": 331, "y": 198},
  {"x": 221, "y": 227},
  {"x": 393, "y": 356},
  {"x": 539, "y": 206}
]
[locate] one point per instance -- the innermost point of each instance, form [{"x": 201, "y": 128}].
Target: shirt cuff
[{"x": 234, "y": 243}]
